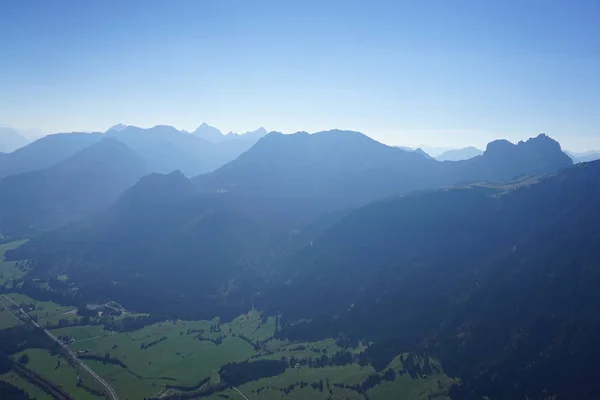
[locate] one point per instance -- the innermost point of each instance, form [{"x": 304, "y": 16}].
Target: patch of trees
[
  {"x": 216, "y": 341},
  {"x": 18, "y": 338},
  {"x": 89, "y": 389},
  {"x": 129, "y": 324},
  {"x": 8, "y": 391},
  {"x": 236, "y": 374},
  {"x": 370, "y": 382},
  {"x": 106, "y": 359},
  {"x": 255, "y": 344},
  {"x": 145, "y": 346},
  {"x": 288, "y": 389},
  {"x": 339, "y": 358},
  {"x": 58, "y": 292}
]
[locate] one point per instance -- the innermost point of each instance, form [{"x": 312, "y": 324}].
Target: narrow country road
[
  {"x": 241, "y": 394},
  {"x": 109, "y": 390}
]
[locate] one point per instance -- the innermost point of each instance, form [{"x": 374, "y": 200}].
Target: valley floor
[{"x": 186, "y": 359}]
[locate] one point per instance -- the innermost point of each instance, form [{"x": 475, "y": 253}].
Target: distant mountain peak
[
  {"x": 540, "y": 143},
  {"x": 499, "y": 145},
  {"x": 423, "y": 153},
  {"x": 208, "y": 132},
  {"x": 257, "y": 133},
  {"x": 459, "y": 154},
  {"x": 261, "y": 130},
  {"x": 159, "y": 188},
  {"x": 542, "y": 140},
  {"x": 117, "y": 128},
  {"x": 11, "y": 140}
]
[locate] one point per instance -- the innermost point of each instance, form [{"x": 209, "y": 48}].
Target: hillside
[
  {"x": 287, "y": 191},
  {"x": 498, "y": 284},
  {"x": 45, "y": 152},
  {"x": 83, "y": 183}
]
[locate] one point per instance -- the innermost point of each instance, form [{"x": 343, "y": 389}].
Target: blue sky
[{"x": 445, "y": 72}]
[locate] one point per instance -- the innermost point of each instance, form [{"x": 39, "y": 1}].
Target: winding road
[{"x": 109, "y": 390}]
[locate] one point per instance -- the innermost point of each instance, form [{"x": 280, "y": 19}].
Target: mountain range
[
  {"x": 45, "y": 152},
  {"x": 584, "y": 157},
  {"x": 80, "y": 184},
  {"x": 346, "y": 168},
  {"x": 310, "y": 174},
  {"x": 489, "y": 264}
]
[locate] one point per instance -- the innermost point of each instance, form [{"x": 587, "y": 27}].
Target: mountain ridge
[{"x": 78, "y": 185}]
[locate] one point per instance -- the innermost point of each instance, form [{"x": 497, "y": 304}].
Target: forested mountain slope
[{"x": 501, "y": 285}]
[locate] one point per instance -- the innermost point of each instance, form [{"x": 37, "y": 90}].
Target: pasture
[
  {"x": 7, "y": 319},
  {"x": 11, "y": 271},
  {"x": 58, "y": 371},
  {"x": 46, "y": 312},
  {"x": 143, "y": 363}
]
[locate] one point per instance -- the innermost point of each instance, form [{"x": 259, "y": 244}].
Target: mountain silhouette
[
  {"x": 165, "y": 149},
  {"x": 11, "y": 140},
  {"x": 584, "y": 157},
  {"x": 459, "y": 154},
  {"x": 45, "y": 152},
  {"x": 81, "y": 184},
  {"x": 348, "y": 168},
  {"x": 210, "y": 133},
  {"x": 504, "y": 161}
]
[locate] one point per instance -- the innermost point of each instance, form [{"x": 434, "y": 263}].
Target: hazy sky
[{"x": 443, "y": 72}]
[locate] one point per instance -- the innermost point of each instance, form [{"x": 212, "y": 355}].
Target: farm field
[
  {"x": 57, "y": 370},
  {"x": 403, "y": 387},
  {"x": 158, "y": 355},
  {"x": 46, "y": 312},
  {"x": 11, "y": 270},
  {"x": 7, "y": 319},
  {"x": 143, "y": 363}
]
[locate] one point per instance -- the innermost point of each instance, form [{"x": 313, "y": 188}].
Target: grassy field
[
  {"x": 182, "y": 359},
  {"x": 58, "y": 371},
  {"x": 7, "y": 319},
  {"x": 11, "y": 270},
  {"x": 434, "y": 387},
  {"x": 403, "y": 388},
  {"x": 179, "y": 359},
  {"x": 81, "y": 333},
  {"x": 185, "y": 352},
  {"x": 47, "y": 312}
]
